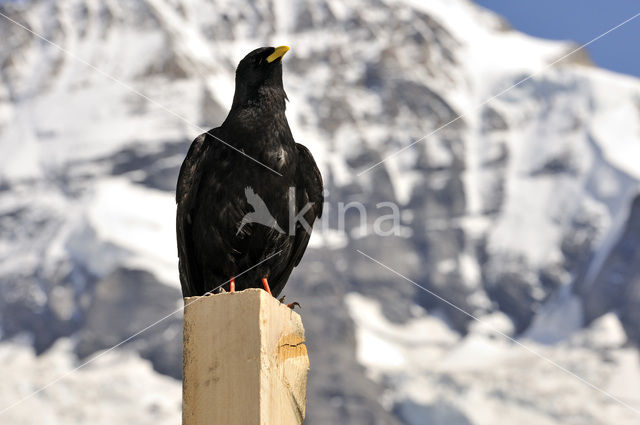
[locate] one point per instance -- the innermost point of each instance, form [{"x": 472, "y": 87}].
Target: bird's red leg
[
  {"x": 265, "y": 283},
  {"x": 232, "y": 284}
]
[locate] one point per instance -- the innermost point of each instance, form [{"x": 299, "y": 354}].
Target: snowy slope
[
  {"x": 516, "y": 209},
  {"x": 135, "y": 393},
  {"x": 484, "y": 379}
]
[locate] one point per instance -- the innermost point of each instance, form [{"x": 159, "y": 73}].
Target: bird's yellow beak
[{"x": 278, "y": 53}]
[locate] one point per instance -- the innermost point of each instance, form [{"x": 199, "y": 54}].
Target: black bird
[{"x": 240, "y": 186}]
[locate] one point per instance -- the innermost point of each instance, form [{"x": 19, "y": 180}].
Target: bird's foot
[
  {"x": 290, "y": 305},
  {"x": 265, "y": 284},
  {"x": 219, "y": 290},
  {"x": 294, "y": 304}
]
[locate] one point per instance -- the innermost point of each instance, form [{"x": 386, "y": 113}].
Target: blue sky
[{"x": 580, "y": 21}]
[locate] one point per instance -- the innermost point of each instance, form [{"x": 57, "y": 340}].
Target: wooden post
[{"x": 244, "y": 361}]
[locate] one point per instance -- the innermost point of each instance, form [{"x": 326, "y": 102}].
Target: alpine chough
[{"x": 247, "y": 194}]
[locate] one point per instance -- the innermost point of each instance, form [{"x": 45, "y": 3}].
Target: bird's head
[{"x": 259, "y": 77}]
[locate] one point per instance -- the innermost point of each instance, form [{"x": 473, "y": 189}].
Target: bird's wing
[
  {"x": 309, "y": 192},
  {"x": 189, "y": 171},
  {"x": 311, "y": 179},
  {"x": 186, "y": 198}
]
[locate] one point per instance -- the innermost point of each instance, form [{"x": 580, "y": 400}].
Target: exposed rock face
[
  {"x": 617, "y": 284},
  {"x": 504, "y": 206},
  {"x": 124, "y": 304}
]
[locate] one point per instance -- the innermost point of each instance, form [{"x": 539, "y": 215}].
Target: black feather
[{"x": 214, "y": 243}]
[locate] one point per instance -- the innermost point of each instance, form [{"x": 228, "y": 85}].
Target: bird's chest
[
  {"x": 266, "y": 142},
  {"x": 269, "y": 153},
  {"x": 277, "y": 158},
  {"x": 272, "y": 160}
]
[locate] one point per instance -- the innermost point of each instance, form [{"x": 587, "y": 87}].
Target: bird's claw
[{"x": 290, "y": 305}]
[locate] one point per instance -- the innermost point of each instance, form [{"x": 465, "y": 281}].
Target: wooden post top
[{"x": 244, "y": 361}]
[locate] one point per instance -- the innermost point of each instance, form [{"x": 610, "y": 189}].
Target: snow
[
  {"x": 19, "y": 153},
  {"x": 285, "y": 12},
  {"x": 496, "y": 60},
  {"x": 510, "y": 51},
  {"x": 526, "y": 211},
  {"x": 624, "y": 379},
  {"x": 385, "y": 346},
  {"x": 118, "y": 388},
  {"x": 606, "y": 332},
  {"x": 536, "y": 202},
  {"x": 558, "y": 319},
  {"x": 616, "y": 123},
  {"x": 488, "y": 380},
  {"x": 141, "y": 222},
  {"x": 325, "y": 237}
]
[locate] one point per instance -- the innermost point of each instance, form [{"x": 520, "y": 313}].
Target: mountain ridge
[{"x": 517, "y": 203}]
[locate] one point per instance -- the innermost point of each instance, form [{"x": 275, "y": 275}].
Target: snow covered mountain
[{"x": 523, "y": 211}]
